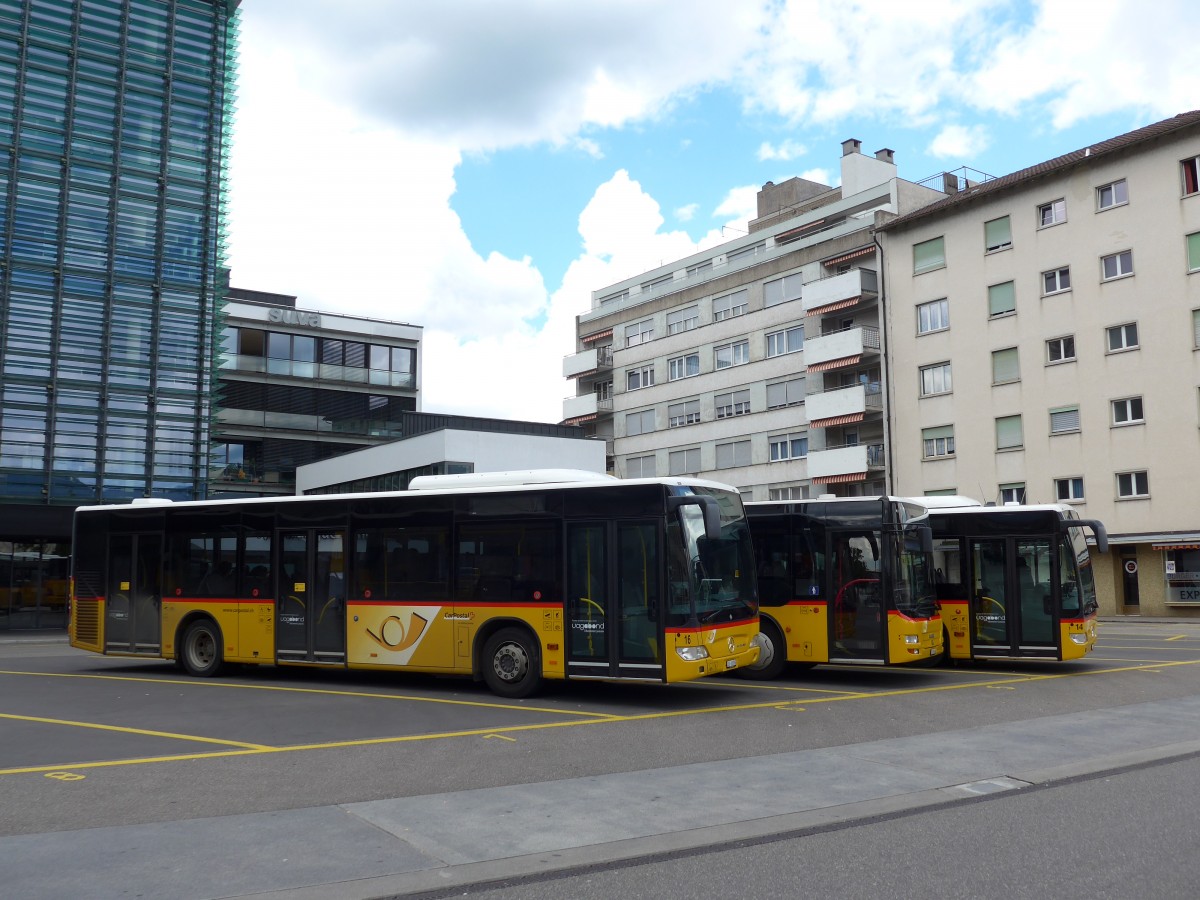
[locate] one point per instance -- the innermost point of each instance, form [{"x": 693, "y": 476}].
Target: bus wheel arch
[
  {"x": 510, "y": 661},
  {"x": 772, "y": 652},
  {"x": 200, "y": 647}
]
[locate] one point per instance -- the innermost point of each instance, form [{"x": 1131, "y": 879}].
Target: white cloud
[
  {"x": 822, "y": 176},
  {"x": 785, "y": 152},
  {"x": 959, "y": 142},
  {"x": 738, "y": 207},
  {"x": 687, "y": 213}
]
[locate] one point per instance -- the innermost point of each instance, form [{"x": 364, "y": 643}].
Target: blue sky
[{"x": 480, "y": 167}]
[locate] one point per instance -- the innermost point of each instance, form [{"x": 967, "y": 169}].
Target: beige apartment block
[
  {"x": 757, "y": 363},
  {"x": 1043, "y": 331}
]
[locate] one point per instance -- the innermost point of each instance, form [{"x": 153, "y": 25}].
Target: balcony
[
  {"x": 837, "y": 465},
  {"x": 840, "y": 291},
  {"x": 314, "y": 371},
  {"x": 836, "y": 349},
  {"x": 584, "y": 408},
  {"x": 843, "y": 406},
  {"x": 587, "y": 362}
]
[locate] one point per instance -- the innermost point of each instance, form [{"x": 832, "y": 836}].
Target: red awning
[
  {"x": 853, "y": 254},
  {"x": 595, "y": 337},
  {"x": 836, "y": 420},
  {"x": 793, "y": 233},
  {"x": 835, "y": 363},
  {"x": 590, "y": 417},
  {"x": 840, "y": 479},
  {"x": 1176, "y": 546},
  {"x": 830, "y": 307}
]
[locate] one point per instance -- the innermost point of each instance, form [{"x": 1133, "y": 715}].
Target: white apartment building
[
  {"x": 1044, "y": 340},
  {"x": 757, "y": 363}
]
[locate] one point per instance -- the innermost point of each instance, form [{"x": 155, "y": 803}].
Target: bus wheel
[
  {"x": 511, "y": 667},
  {"x": 201, "y": 653},
  {"x": 772, "y": 653}
]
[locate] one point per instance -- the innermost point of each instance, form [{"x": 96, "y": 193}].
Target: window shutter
[
  {"x": 1002, "y": 298},
  {"x": 997, "y": 233}
]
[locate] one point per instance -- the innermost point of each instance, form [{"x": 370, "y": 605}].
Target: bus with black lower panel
[
  {"x": 512, "y": 578},
  {"x": 1014, "y": 581},
  {"x": 843, "y": 580}
]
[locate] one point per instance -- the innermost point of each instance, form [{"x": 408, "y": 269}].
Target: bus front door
[
  {"x": 133, "y": 610},
  {"x": 858, "y": 618},
  {"x": 310, "y": 619},
  {"x": 1012, "y": 608},
  {"x": 613, "y": 608}
]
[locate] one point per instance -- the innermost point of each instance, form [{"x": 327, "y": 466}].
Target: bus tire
[
  {"x": 202, "y": 650},
  {"x": 511, "y": 665},
  {"x": 772, "y": 653}
]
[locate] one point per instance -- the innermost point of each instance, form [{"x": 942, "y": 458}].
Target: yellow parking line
[
  {"x": 139, "y": 731},
  {"x": 296, "y": 690},
  {"x": 597, "y": 719}
]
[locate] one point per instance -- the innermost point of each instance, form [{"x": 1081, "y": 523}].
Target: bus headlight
[
  {"x": 912, "y": 639},
  {"x": 692, "y": 654},
  {"x": 1079, "y": 638}
]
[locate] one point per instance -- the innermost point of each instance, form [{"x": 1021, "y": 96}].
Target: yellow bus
[
  {"x": 511, "y": 578},
  {"x": 843, "y": 580},
  {"x": 1014, "y": 581}
]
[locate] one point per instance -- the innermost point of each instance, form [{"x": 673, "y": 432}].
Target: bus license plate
[{"x": 731, "y": 663}]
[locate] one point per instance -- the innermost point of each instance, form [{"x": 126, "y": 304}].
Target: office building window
[
  {"x": 686, "y": 413},
  {"x": 1064, "y": 420},
  {"x": 1056, "y": 281},
  {"x": 1068, "y": 490},
  {"x": 1193, "y": 252},
  {"x": 788, "y": 446},
  {"x": 1132, "y": 485},
  {"x": 933, "y": 316},
  {"x": 1191, "y": 175},
  {"x": 1009, "y": 433},
  {"x": 639, "y": 422},
  {"x": 1117, "y": 265},
  {"x": 683, "y": 366},
  {"x": 640, "y": 466},
  {"x": 1052, "y": 213},
  {"x": 929, "y": 255},
  {"x": 794, "y": 492},
  {"x": 733, "y": 454},
  {"x": 1006, "y": 366},
  {"x": 788, "y": 341},
  {"x": 730, "y": 306},
  {"x": 997, "y": 234},
  {"x": 1012, "y": 493},
  {"x": 683, "y": 319},
  {"x": 1060, "y": 349},
  {"x": 1110, "y": 195},
  {"x": 684, "y": 462},
  {"x": 781, "y": 290},
  {"x": 636, "y": 379},
  {"x": 734, "y": 354},
  {"x": 936, "y": 379},
  {"x": 1122, "y": 337},
  {"x": 785, "y": 393},
  {"x": 1002, "y": 299},
  {"x": 1127, "y": 411},
  {"x": 735, "y": 403},
  {"x": 639, "y": 333}
]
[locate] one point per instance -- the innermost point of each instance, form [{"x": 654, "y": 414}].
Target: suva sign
[{"x": 295, "y": 317}]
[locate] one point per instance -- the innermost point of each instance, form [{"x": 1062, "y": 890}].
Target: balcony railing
[
  {"x": 827, "y": 291},
  {"x": 844, "y": 343},
  {"x": 853, "y": 459},
  {"x": 313, "y": 371},
  {"x": 844, "y": 401},
  {"x": 595, "y": 359}
]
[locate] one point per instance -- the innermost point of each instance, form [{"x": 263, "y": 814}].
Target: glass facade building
[{"x": 114, "y": 118}]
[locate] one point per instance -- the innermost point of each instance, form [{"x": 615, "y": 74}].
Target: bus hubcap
[{"x": 510, "y": 662}]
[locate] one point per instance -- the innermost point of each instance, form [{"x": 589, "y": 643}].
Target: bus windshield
[
  {"x": 712, "y": 579},
  {"x": 913, "y": 588}
]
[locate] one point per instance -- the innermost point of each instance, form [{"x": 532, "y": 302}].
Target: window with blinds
[
  {"x": 1009, "y": 434},
  {"x": 1005, "y": 366},
  {"x": 1064, "y": 420},
  {"x": 1002, "y": 299},
  {"x": 937, "y": 441},
  {"x": 997, "y": 234},
  {"x": 929, "y": 255}
]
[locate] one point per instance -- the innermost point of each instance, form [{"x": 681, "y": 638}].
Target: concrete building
[
  {"x": 1044, "y": 334},
  {"x": 298, "y": 386},
  {"x": 758, "y": 363},
  {"x": 114, "y": 116}
]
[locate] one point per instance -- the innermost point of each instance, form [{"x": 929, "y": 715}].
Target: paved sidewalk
[{"x": 405, "y": 845}]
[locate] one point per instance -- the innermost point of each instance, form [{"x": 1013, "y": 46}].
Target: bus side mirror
[
  {"x": 710, "y": 508},
  {"x": 1098, "y": 531},
  {"x": 926, "y": 538}
]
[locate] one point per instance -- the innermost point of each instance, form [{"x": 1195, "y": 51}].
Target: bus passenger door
[
  {"x": 1012, "y": 610},
  {"x": 133, "y": 610},
  {"x": 310, "y": 617},
  {"x": 613, "y": 610},
  {"x": 858, "y": 616}
]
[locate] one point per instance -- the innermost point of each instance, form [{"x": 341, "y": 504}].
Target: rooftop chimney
[
  {"x": 885, "y": 155},
  {"x": 851, "y": 146},
  {"x": 949, "y": 182}
]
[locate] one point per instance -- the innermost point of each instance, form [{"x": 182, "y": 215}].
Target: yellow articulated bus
[
  {"x": 1014, "y": 581},
  {"x": 512, "y": 578},
  {"x": 843, "y": 580}
]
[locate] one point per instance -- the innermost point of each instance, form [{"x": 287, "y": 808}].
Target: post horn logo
[{"x": 394, "y": 636}]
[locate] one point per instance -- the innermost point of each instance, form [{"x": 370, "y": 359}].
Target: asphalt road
[{"x": 335, "y": 784}]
